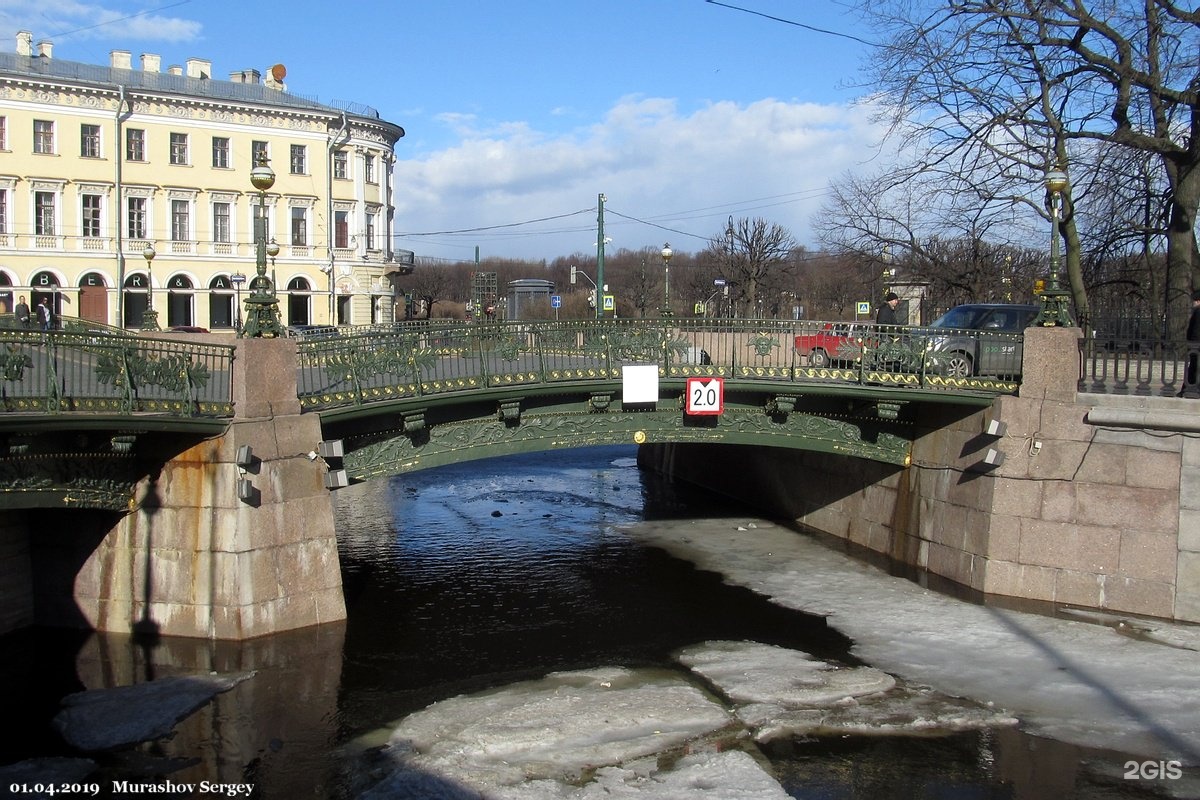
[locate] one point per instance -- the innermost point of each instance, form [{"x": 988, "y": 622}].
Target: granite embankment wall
[{"x": 1096, "y": 504}]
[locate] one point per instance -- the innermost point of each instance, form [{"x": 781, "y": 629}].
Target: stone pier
[{"x": 196, "y": 558}]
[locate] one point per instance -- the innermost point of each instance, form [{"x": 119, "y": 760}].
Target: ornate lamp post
[
  {"x": 1056, "y": 309},
  {"x": 666, "y": 257},
  {"x": 149, "y": 316},
  {"x": 262, "y": 306},
  {"x": 237, "y": 279}
]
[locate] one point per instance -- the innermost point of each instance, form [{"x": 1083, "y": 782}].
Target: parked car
[
  {"x": 306, "y": 332},
  {"x": 833, "y": 342},
  {"x": 188, "y": 329},
  {"x": 979, "y": 339}
]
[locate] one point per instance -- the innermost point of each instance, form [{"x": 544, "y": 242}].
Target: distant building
[{"x": 99, "y": 162}]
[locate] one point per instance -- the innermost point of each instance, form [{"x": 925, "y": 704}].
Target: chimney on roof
[
  {"x": 199, "y": 68},
  {"x": 45, "y": 49},
  {"x": 120, "y": 59},
  {"x": 245, "y": 76},
  {"x": 174, "y": 69},
  {"x": 151, "y": 62},
  {"x": 24, "y": 43}
]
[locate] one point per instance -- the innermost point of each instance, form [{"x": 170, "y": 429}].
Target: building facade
[{"x": 124, "y": 187}]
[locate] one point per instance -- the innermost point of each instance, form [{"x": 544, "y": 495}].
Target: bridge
[{"x": 190, "y": 459}]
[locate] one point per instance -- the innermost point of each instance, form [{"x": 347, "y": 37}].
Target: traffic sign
[
  {"x": 556, "y": 301},
  {"x": 610, "y": 302},
  {"x": 864, "y": 308},
  {"x": 705, "y": 396}
]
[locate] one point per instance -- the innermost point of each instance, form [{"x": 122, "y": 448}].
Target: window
[
  {"x": 299, "y": 226},
  {"x": 43, "y": 206},
  {"x": 341, "y": 165},
  {"x": 370, "y": 231},
  {"x": 3, "y": 210},
  {"x": 91, "y": 215},
  {"x": 220, "y": 152},
  {"x": 299, "y": 159},
  {"x": 3, "y": 133},
  {"x": 221, "y": 231},
  {"x": 135, "y": 144},
  {"x": 262, "y": 228},
  {"x": 341, "y": 229},
  {"x": 89, "y": 141},
  {"x": 181, "y": 221},
  {"x": 136, "y": 218},
  {"x": 369, "y": 168},
  {"x": 43, "y": 136},
  {"x": 258, "y": 153},
  {"x": 179, "y": 149}
]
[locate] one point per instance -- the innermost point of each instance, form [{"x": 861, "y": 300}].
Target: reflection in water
[{"x": 474, "y": 576}]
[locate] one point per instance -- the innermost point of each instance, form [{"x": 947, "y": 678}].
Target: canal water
[{"x": 477, "y": 576}]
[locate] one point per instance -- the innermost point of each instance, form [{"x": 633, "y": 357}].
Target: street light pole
[
  {"x": 149, "y": 316},
  {"x": 262, "y": 306},
  {"x": 600, "y": 259},
  {"x": 666, "y": 257},
  {"x": 1056, "y": 310},
  {"x": 237, "y": 279}
]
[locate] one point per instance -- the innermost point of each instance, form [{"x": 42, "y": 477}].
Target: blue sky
[{"x": 682, "y": 112}]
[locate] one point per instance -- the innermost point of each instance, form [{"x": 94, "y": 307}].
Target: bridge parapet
[{"x": 408, "y": 362}]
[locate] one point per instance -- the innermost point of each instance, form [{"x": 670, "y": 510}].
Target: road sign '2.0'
[{"x": 705, "y": 396}]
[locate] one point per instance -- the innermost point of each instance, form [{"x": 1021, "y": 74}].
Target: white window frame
[
  {"x": 189, "y": 226},
  {"x": 83, "y": 215},
  {"x": 90, "y": 143},
  {"x": 140, "y": 140},
  {"x": 43, "y": 137},
  {"x": 179, "y": 149}
]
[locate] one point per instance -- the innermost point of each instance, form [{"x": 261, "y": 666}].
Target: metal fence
[
  {"x": 1136, "y": 365},
  {"x": 104, "y": 372},
  {"x": 438, "y": 358}
]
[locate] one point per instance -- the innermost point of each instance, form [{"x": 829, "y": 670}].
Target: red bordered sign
[{"x": 705, "y": 396}]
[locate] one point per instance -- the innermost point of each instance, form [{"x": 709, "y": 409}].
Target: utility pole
[{"x": 600, "y": 260}]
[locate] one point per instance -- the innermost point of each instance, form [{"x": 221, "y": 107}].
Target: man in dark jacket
[
  {"x": 22, "y": 312},
  {"x": 887, "y": 310}
]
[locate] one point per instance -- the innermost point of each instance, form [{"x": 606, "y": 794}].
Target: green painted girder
[{"x": 443, "y": 433}]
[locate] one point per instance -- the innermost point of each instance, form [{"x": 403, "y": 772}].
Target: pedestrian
[
  {"x": 887, "y": 310},
  {"x": 22, "y": 312},
  {"x": 43, "y": 314},
  {"x": 1193, "y": 355}
]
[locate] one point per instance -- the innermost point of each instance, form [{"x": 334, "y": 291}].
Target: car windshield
[{"x": 965, "y": 317}]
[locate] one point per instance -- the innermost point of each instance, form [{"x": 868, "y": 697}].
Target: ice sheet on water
[
  {"x": 1071, "y": 680},
  {"x": 558, "y": 731},
  {"x": 782, "y": 692}
]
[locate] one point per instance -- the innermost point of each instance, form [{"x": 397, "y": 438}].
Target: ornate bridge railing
[
  {"x": 407, "y": 362},
  {"x": 106, "y": 371}
]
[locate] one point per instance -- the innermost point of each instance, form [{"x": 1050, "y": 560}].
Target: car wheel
[
  {"x": 959, "y": 366},
  {"x": 818, "y": 358}
]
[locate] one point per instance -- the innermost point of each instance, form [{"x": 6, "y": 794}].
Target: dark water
[{"x": 477, "y": 575}]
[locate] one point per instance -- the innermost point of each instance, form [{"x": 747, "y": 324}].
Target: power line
[
  {"x": 793, "y": 22},
  {"x": 410, "y": 234}
]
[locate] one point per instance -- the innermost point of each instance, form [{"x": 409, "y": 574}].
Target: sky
[{"x": 519, "y": 114}]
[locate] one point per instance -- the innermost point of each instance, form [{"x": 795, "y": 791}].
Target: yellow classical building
[{"x": 123, "y": 187}]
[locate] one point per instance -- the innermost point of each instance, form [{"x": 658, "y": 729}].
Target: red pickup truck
[{"x": 832, "y": 342}]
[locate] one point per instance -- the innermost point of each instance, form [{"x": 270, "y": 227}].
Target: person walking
[
  {"x": 21, "y": 312},
  {"x": 1193, "y": 354},
  {"x": 887, "y": 310},
  {"x": 43, "y": 315}
]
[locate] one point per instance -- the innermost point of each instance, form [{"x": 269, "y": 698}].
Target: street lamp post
[
  {"x": 1056, "y": 310},
  {"x": 666, "y": 257},
  {"x": 237, "y": 279},
  {"x": 262, "y": 306},
  {"x": 729, "y": 260},
  {"x": 149, "y": 316}
]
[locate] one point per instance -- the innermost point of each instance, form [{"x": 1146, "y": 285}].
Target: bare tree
[
  {"x": 1016, "y": 88},
  {"x": 759, "y": 260}
]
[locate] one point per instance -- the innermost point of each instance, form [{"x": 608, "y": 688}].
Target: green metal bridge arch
[{"x": 409, "y": 398}]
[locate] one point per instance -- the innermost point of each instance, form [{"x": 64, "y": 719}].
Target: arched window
[
  {"x": 6, "y": 295},
  {"x": 299, "y": 308},
  {"x": 44, "y": 286},
  {"x": 221, "y": 306},
  {"x": 180, "y": 300},
  {"x": 137, "y": 296},
  {"x": 93, "y": 297}
]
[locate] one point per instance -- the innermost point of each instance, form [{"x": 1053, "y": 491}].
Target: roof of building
[{"x": 12, "y": 64}]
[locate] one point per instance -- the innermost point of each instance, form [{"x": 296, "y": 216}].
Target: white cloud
[
  {"x": 60, "y": 20},
  {"x": 649, "y": 158}
]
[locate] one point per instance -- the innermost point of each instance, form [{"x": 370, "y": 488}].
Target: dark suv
[{"x": 980, "y": 339}]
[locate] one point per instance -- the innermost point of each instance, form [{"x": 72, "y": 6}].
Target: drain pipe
[
  {"x": 329, "y": 229},
  {"x": 117, "y": 215}
]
